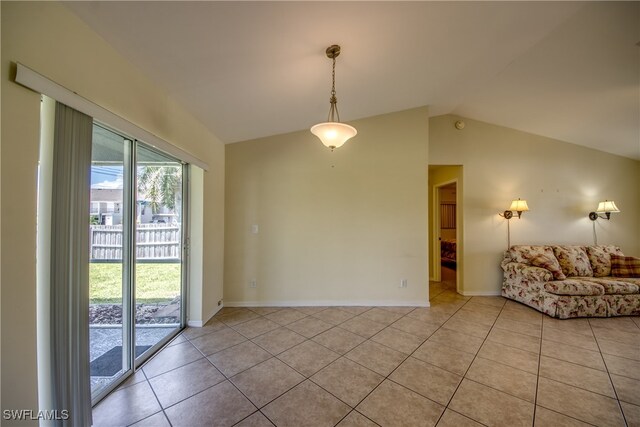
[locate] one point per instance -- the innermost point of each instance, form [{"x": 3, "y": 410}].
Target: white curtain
[{"x": 69, "y": 278}]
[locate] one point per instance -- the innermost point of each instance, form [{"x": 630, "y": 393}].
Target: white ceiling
[{"x": 566, "y": 70}]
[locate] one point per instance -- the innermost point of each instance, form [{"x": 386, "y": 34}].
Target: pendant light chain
[{"x": 333, "y": 110}]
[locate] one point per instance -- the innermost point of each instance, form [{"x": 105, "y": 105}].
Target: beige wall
[
  {"x": 333, "y": 228},
  {"x": 51, "y": 40},
  {"x": 562, "y": 183}
]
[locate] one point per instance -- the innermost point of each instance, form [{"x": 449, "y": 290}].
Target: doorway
[{"x": 445, "y": 231}]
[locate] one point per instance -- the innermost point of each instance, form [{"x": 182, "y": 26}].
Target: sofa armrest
[{"x": 522, "y": 274}]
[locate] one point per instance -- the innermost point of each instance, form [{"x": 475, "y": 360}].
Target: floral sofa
[{"x": 571, "y": 281}]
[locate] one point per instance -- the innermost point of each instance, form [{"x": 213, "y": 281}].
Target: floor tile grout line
[
  {"x": 535, "y": 396},
  {"x": 624, "y": 417},
  {"x": 567, "y": 416}
]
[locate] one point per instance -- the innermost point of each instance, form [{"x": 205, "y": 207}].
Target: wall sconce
[
  {"x": 606, "y": 208},
  {"x": 517, "y": 205}
]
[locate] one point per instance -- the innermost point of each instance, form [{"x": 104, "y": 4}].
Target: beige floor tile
[
  {"x": 573, "y": 326},
  {"x": 491, "y": 407},
  {"x": 334, "y": 316},
  {"x": 126, "y": 406},
  {"x": 466, "y": 327},
  {"x": 576, "y": 340},
  {"x": 578, "y": 403},
  {"x": 177, "y": 340},
  {"x": 627, "y": 389},
  {"x": 475, "y": 316},
  {"x": 496, "y": 301},
  {"x": 510, "y": 356},
  {"x": 171, "y": 358},
  {"x": 445, "y": 357},
  {"x": 309, "y": 326},
  {"x": 362, "y": 326},
  {"x": 397, "y": 340},
  {"x": 617, "y": 335},
  {"x": 453, "y": 419},
  {"x": 514, "y": 339},
  {"x": 415, "y": 327},
  {"x": 135, "y": 378},
  {"x": 305, "y": 405},
  {"x": 185, "y": 381},
  {"x": 569, "y": 353},
  {"x": 312, "y": 309},
  {"x": 576, "y": 375},
  {"x": 220, "y": 405},
  {"x": 521, "y": 314},
  {"x": 266, "y": 381},
  {"x": 431, "y": 315},
  {"x": 400, "y": 310},
  {"x": 255, "y": 420},
  {"x": 308, "y": 357},
  {"x": 457, "y": 340},
  {"x": 347, "y": 380},
  {"x": 379, "y": 315},
  {"x": 356, "y": 419},
  {"x": 226, "y": 310},
  {"x": 263, "y": 311},
  {"x": 156, "y": 420},
  {"x": 278, "y": 340},
  {"x": 216, "y": 341},
  {"x": 393, "y": 405},
  {"x": 238, "y": 358},
  {"x": 631, "y": 414},
  {"x": 339, "y": 340},
  {"x": 616, "y": 348},
  {"x": 428, "y": 380},
  {"x": 238, "y": 316},
  {"x": 532, "y": 329},
  {"x": 212, "y": 325},
  {"x": 355, "y": 310},
  {"x": 548, "y": 418},
  {"x": 377, "y": 357},
  {"x": 489, "y": 310},
  {"x": 621, "y": 366},
  {"x": 636, "y": 320},
  {"x": 286, "y": 316},
  {"x": 510, "y": 380},
  {"x": 255, "y": 327}
]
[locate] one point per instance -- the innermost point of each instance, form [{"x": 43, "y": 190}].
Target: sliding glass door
[{"x": 136, "y": 255}]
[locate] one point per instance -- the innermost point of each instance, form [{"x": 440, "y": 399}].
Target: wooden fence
[{"x": 153, "y": 242}]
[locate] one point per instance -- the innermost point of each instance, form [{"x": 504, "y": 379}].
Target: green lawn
[{"x": 154, "y": 282}]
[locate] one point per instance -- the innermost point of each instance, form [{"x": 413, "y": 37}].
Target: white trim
[
  {"x": 482, "y": 294},
  {"x": 201, "y": 323},
  {"x": 41, "y": 84},
  {"x": 331, "y": 303}
]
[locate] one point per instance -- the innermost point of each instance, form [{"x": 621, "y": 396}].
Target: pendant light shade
[{"x": 332, "y": 133}]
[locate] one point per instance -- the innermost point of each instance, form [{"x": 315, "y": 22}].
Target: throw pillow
[
  {"x": 550, "y": 264},
  {"x": 625, "y": 266},
  {"x": 573, "y": 260},
  {"x": 600, "y": 259}
]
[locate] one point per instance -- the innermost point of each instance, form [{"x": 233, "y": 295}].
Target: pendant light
[{"x": 332, "y": 133}]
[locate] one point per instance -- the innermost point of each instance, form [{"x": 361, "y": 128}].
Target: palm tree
[{"x": 160, "y": 185}]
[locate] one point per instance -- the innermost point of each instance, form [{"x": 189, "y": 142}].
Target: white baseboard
[
  {"x": 482, "y": 293},
  {"x": 201, "y": 323},
  {"x": 331, "y": 303}
]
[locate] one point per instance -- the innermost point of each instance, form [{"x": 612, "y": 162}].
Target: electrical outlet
[
  {"x": 252, "y": 283},
  {"x": 403, "y": 283}
]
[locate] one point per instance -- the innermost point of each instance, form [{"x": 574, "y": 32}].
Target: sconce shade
[
  {"x": 519, "y": 206},
  {"x": 333, "y": 134},
  {"x": 607, "y": 206}
]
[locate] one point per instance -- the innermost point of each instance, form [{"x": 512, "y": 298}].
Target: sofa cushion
[
  {"x": 634, "y": 280},
  {"x": 573, "y": 287},
  {"x": 524, "y": 253},
  {"x": 573, "y": 260},
  {"x": 612, "y": 286},
  {"x": 548, "y": 263},
  {"x": 625, "y": 266},
  {"x": 600, "y": 259}
]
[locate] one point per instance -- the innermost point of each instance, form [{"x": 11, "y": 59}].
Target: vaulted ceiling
[{"x": 566, "y": 70}]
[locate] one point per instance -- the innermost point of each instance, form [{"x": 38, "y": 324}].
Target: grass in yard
[{"x": 154, "y": 282}]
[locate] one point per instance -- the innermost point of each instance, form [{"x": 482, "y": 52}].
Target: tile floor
[{"x": 461, "y": 362}]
